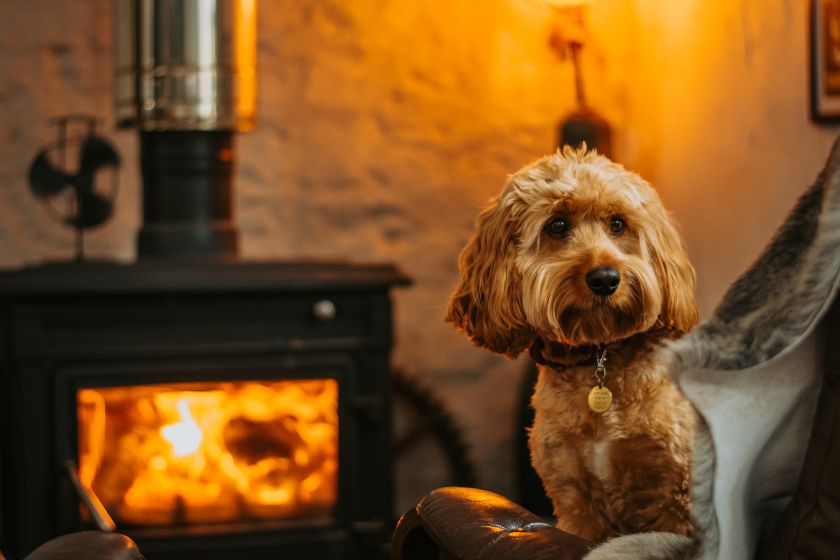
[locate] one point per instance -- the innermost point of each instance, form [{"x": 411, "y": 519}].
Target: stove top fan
[{"x": 83, "y": 197}]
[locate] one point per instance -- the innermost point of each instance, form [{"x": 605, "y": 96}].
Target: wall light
[{"x": 568, "y": 38}]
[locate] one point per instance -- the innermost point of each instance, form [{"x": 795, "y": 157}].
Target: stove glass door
[{"x": 211, "y": 452}]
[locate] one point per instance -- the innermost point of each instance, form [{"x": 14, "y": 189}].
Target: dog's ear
[
  {"x": 673, "y": 269},
  {"x": 486, "y": 303}
]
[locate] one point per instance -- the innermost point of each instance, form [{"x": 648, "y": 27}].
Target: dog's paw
[{"x": 645, "y": 546}]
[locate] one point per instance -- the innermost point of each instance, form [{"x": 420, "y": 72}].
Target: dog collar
[
  {"x": 599, "y": 398},
  {"x": 560, "y": 356}
]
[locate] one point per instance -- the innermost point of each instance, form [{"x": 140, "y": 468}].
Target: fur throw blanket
[{"x": 753, "y": 372}]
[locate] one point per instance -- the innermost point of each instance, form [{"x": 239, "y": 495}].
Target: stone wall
[{"x": 384, "y": 125}]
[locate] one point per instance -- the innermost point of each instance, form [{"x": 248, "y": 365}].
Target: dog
[{"x": 578, "y": 262}]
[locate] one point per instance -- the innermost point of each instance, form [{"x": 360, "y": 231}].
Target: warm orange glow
[
  {"x": 211, "y": 452},
  {"x": 246, "y": 61},
  {"x": 567, "y": 3}
]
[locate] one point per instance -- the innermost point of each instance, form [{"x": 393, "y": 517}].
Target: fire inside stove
[{"x": 184, "y": 454}]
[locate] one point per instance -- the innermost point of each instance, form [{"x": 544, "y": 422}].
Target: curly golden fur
[{"x": 524, "y": 280}]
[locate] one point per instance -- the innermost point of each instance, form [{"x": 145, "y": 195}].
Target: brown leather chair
[
  {"x": 809, "y": 527},
  {"x": 90, "y": 545},
  {"x": 467, "y": 523}
]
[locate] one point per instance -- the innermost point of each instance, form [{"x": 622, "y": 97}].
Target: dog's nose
[{"x": 603, "y": 280}]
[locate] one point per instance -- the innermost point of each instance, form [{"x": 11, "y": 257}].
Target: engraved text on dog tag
[{"x": 600, "y": 399}]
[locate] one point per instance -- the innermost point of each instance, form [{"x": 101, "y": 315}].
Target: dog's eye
[
  {"x": 558, "y": 227},
  {"x": 617, "y": 225}
]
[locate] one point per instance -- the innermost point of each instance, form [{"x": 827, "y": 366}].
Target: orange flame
[{"x": 211, "y": 452}]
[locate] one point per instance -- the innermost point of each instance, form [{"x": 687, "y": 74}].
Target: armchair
[
  {"x": 467, "y": 523},
  {"x": 91, "y": 545},
  {"x": 764, "y": 374}
]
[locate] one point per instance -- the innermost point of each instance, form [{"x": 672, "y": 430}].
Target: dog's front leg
[
  {"x": 555, "y": 457},
  {"x": 649, "y": 490},
  {"x": 575, "y": 514}
]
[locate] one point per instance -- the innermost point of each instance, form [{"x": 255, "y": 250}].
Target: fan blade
[
  {"x": 97, "y": 153},
  {"x": 44, "y": 178},
  {"x": 93, "y": 210}
]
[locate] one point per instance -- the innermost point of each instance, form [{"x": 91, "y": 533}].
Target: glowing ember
[{"x": 211, "y": 452}]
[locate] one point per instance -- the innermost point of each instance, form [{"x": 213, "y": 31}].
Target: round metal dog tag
[{"x": 600, "y": 399}]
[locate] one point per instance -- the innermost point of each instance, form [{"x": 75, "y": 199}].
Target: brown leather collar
[{"x": 560, "y": 357}]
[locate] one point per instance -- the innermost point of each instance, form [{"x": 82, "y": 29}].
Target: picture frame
[{"x": 825, "y": 60}]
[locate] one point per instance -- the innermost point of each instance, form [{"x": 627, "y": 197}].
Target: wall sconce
[{"x": 567, "y": 39}]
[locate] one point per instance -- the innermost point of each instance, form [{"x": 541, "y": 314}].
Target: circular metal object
[
  {"x": 600, "y": 399},
  {"x": 324, "y": 310}
]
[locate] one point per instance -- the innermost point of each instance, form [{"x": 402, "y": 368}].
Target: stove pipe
[{"x": 185, "y": 78}]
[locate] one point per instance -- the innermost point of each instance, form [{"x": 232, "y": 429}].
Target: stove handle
[{"x": 100, "y": 515}]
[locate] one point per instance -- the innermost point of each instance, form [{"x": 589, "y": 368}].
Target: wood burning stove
[{"x": 216, "y": 409}]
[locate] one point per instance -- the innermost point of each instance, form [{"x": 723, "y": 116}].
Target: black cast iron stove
[
  {"x": 100, "y": 360},
  {"x": 206, "y": 407}
]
